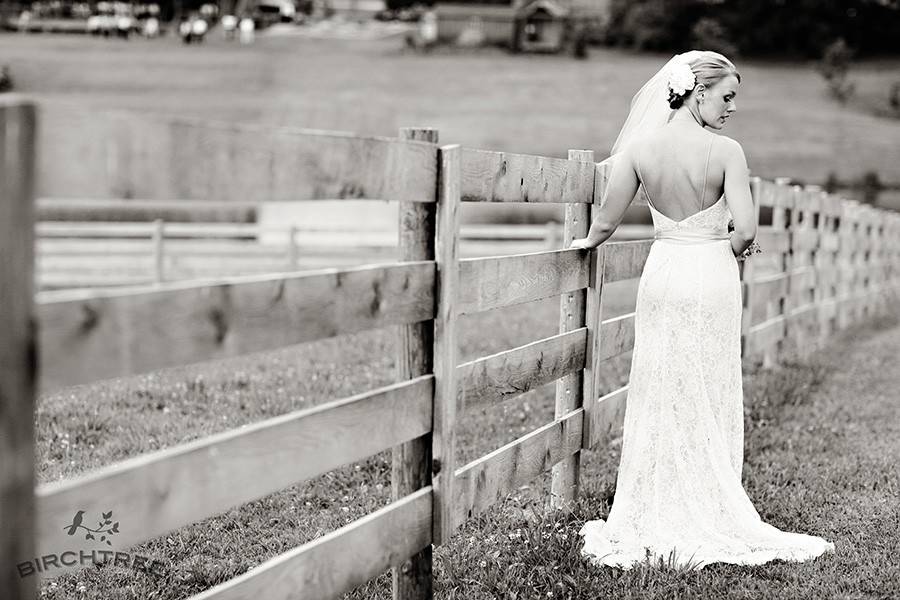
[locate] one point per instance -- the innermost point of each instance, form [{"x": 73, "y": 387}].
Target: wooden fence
[
  {"x": 834, "y": 263},
  {"x": 86, "y": 243}
]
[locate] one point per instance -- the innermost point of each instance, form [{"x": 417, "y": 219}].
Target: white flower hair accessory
[{"x": 681, "y": 78}]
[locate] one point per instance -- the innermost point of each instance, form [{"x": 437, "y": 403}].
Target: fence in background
[
  {"x": 835, "y": 263},
  {"x": 106, "y": 243}
]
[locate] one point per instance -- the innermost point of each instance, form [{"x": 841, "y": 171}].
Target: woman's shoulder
[{"x": 728, "y": 144}]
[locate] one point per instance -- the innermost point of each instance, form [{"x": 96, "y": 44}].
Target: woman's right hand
[{"x": 584, "y": 244}]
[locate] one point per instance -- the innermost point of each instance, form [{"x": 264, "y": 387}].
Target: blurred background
[{"x": 819, "y": 104}]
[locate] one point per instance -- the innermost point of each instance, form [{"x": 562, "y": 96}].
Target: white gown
[{"x": 678, "y": 488}]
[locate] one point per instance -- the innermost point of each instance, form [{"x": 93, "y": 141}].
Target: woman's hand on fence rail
[{"x": 586, "y": 243}]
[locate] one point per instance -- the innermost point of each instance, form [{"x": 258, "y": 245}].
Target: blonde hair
[{"x": 709, "y": 69}]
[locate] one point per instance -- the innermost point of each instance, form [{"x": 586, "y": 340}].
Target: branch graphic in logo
[{"x": 105, "y": 527}]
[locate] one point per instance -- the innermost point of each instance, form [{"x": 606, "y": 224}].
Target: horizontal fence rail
[
  {"x": 171, "y": 488},
  {"x": 827, "y": 264},
  {"x": 88, "y": 335}
]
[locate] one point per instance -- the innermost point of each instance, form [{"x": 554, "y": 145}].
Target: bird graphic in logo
[{"x": 105, "y": 527}]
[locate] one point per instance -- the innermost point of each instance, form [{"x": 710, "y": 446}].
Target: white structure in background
[
  {"x": 428, "y": 28},
  {"x": 247, "y": 28},
  {"x": 199, "y": 27},
  {"x": 151, "y": 27},
  {"x": 229, "y": 26}
]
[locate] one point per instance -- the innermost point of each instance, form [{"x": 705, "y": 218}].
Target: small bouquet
[{"x": 752, "y": 249}]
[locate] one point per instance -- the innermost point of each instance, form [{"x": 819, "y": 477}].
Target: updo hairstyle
[{"x": 708, "y": 69}]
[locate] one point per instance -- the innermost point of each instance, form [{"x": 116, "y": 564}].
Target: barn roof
[
  {"x": 475, "y": 10},
  {"x": 553, "y": 8}
]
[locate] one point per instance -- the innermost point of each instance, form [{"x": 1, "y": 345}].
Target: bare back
[{"x": 681, "y": 170}]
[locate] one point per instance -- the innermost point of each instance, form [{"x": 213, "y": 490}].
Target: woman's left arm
[{"x": 619, "y": 192}]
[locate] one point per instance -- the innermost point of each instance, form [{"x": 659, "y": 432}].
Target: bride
[{"x": 679, "y": 495}]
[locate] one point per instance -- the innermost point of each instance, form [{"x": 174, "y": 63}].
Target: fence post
[
  {"x": 18, "y": 356},
  {"x": 159, "y": 235},
  {"x": 590, "y": 382},
  {"x": 411, "y": 462},
  {"x": 566, "y": 474},
  {"x": 844, "y": 230},
  {"x": 293, "y": 255},
  {"x": 780, "y": 305},
  {"x": 443, "y": 447},
  {"x": 747, "y": 274}
]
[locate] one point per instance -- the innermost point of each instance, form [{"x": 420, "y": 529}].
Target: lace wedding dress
[{"x": 679, "y": 494}]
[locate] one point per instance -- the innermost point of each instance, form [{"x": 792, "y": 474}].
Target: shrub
[
  {"x": 710, "y": 34},
  {"x": 834, "y": 67}
]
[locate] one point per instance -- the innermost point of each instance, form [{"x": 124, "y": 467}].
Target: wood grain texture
[
  {"x": 591, "y": 378},
  {"x": 162, "y": 491},
  {"x": 566, "y": 474},
  {"x": 484, "y": 481},
  {"x": 338, "y": 561},
  {"x": 445, "y": 343},
  {"x": 606, "y": 417},
  {"x": 625, "y": 260},
  {"x": 493, "y": 282},
  {"x": 616, "y": 336},
  {"x": 147, "y": 156},
  {"x": 502, "y": 177},
  {"x": 411, "y": 461},
  {"x": 86, "y": 336},
  {"x": 496, "y": 378},
  {"x": 18, "y": 123}
]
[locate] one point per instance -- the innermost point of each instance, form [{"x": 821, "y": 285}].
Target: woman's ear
[{"x": 700, "y": 90}]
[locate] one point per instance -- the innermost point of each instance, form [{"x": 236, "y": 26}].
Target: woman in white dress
[{"x": 679, "y": 495}]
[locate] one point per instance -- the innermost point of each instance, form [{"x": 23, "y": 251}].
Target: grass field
[
  {"x": 821, "y": 447},
  {"x": 822, "y": 441},
  {"x": 489, "y": 99}
]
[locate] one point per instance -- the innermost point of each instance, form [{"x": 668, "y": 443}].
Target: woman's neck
[{"x": 687, "y": 116}]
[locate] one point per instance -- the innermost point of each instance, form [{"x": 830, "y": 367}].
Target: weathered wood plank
[
  {"x": 591, "y": 378},
  {"x": 566, "y": 474},
  {"x": 499, "y": 377},
  {"x": 776, "y": 195},
  {"x": 625, "y": 260},
  {"x": 773, "y": 240},
  {"x": 149, "y": 156},
  {"x": 502, "y": 177},
  {"x": 802, "y": 279},
  {"x": 767, "y": 333},
  {"x": 493, "y": 282},
  {"x": 113, "y": 210},
  {"x": 484, "y": 481},
  {"x": 616, "y": 336},
  {"x": 338, "y": 561},
  {"x": 18, "y": 122},
  {"x": 443, "y": 448},
  {"x": 772, "y": 287},
  {"x": 804, "y": 239},
  {"x": 87, "y": 335},
  {"x": 164, "y": 490},
  {"x": 411, "y": 461},
  {"x": 605, "y": 416}
]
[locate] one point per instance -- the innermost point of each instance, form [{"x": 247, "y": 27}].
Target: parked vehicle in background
[{"x": 269, "y": 12}]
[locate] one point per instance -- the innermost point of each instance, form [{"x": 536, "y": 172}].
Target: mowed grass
[
  {"x": 821, "y": 453},
  {"x": 490, "y": 99}
]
